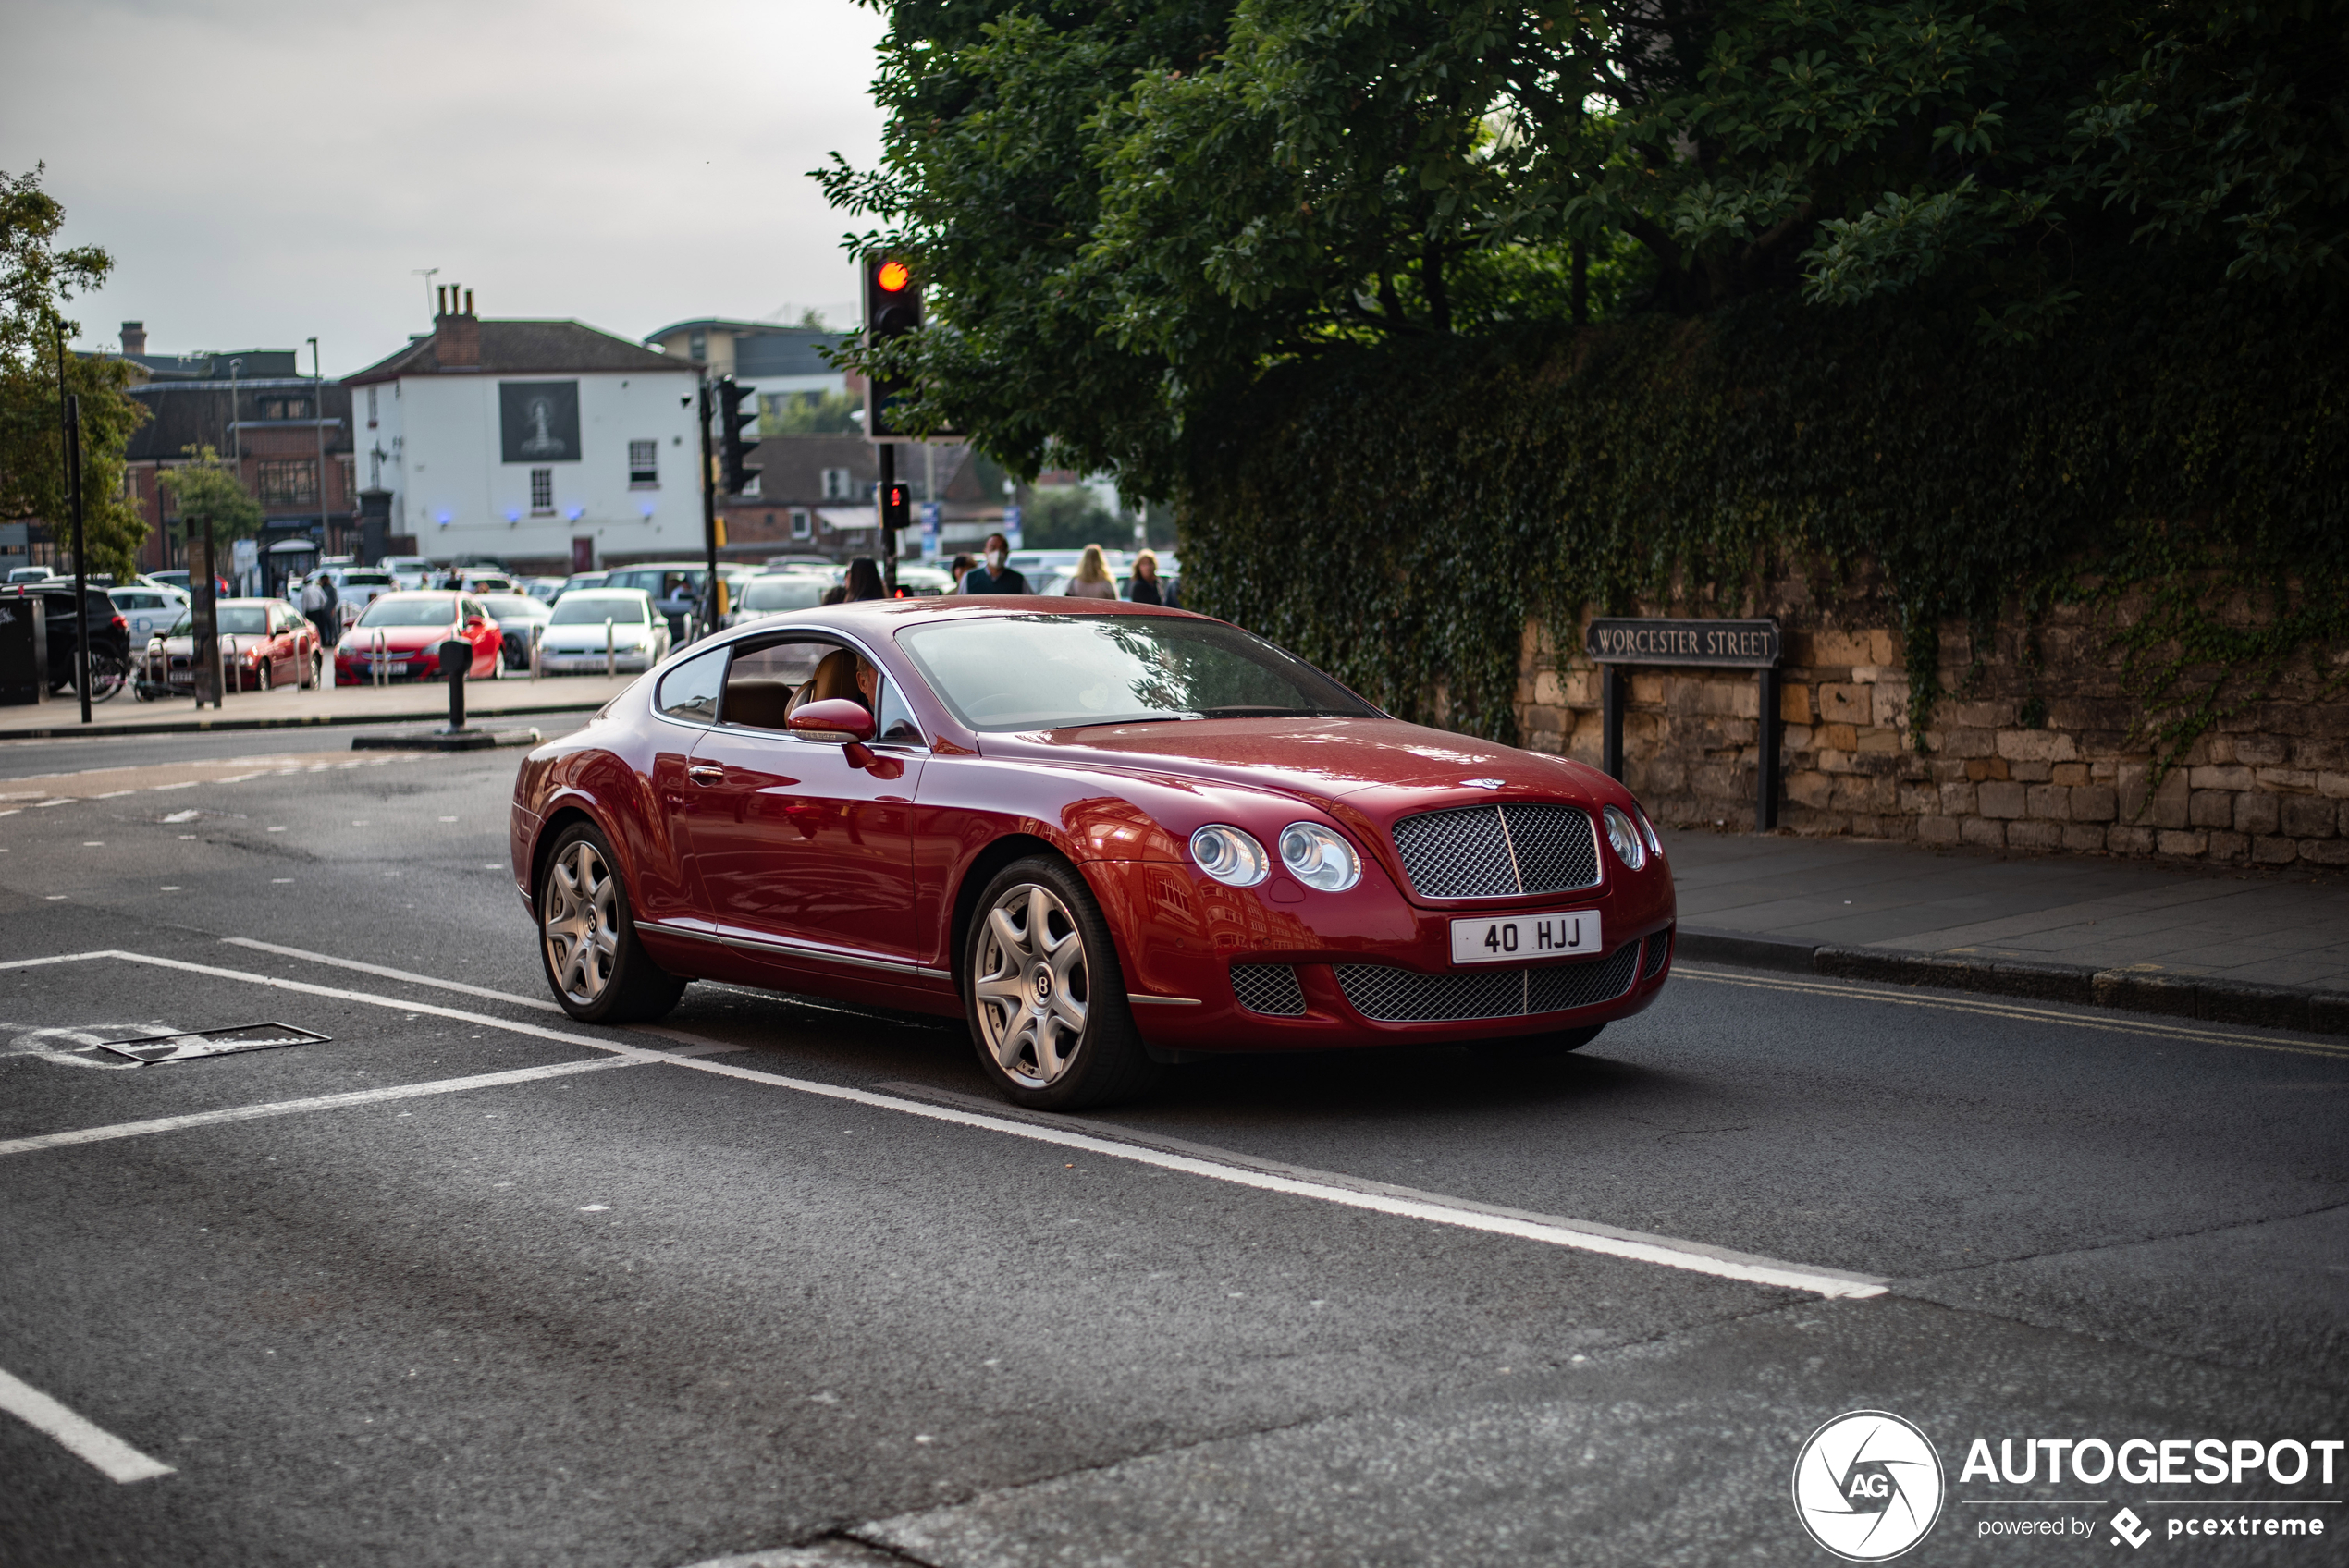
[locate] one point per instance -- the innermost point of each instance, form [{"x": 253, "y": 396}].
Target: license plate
[
  {"x": 1515, "y": 938},
  {"x": 390, "y": 666}
]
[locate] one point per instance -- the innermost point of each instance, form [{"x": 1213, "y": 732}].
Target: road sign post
[{"x": 1613, "y": 643}]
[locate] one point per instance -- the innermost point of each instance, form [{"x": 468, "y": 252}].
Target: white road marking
[
  {"x": 60, "y": 800},
  {"x": 185, "y": 784},
  {"x": 188, "y": 815},
  {"x": 377, "y": 969},
  {"x": 317, "y": 1102},
  {"x": 2115, "y": 1023},
  {"x": 1434, "y": 1210},
  {"x": 114, "y": 794},
  {"x": 116, "y": 1460}
]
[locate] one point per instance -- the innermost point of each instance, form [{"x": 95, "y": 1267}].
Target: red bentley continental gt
[{"x": 1106, "y": 835}]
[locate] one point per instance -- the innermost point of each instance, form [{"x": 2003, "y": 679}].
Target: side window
[
  {"x": 896, "y": 720},
  {"x": 690, "y": 692}
]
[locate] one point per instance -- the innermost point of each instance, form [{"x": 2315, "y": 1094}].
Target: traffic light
[
  {"x": 897, "y": 510},
  {"x": 734, "y": 470},
  {"x": 892, "y": 308}
]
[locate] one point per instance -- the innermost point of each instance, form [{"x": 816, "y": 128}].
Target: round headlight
[
  {"x": 1229, "y": 855},
  {"x": 1624, "y": 839},
  {"x": 1319, "y": 858}
]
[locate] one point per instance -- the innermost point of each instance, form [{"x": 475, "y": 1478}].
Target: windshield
[
  {"x": 425, "y": 609},
  {"x": 513, "y": 606},
  {"x": 785, "y": 591},
  {"x": 1049, "y": 672},
  {"x": 575, "y": 608},
  {"x": 234, "y": 620},
  {"x": 366, "y": 579}
]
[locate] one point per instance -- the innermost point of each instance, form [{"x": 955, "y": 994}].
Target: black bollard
[{"x": 456, "y": 659}]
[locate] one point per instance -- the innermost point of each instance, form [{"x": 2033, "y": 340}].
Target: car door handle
[{"x": 707, "y": 773}]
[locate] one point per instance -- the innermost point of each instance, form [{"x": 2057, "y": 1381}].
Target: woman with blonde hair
[{"x": 1093, "y": 580}]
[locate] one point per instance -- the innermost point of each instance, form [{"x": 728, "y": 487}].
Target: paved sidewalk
[
  {"x": 2232, "y": 944},
  {"x": 125, "y": 715}
]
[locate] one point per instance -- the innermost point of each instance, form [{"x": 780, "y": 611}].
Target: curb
[
  {"x": 2126, "y": 990},
  {"x": 320, "y": 721}
]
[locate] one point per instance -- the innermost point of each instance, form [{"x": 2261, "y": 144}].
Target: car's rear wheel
[
  {"x": 1534, "y": 1047},
  {"x": 588, "y": 938},
  {"x": 1045, "y": 995}
]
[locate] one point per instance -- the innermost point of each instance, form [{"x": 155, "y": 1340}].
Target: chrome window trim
[{"x": 765, "y": 634}]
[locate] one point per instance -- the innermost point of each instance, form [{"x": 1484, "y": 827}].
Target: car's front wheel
[
  {"x": 588, "y": 938},
  {"x": 1045, "y": 995}
]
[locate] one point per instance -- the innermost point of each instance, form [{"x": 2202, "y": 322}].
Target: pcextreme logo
[{"x": 1867, "y": 1486}]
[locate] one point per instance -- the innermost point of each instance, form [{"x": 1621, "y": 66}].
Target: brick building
[
  {"x": 269, "y": 421},
  {"x": 816, "y": 497}
]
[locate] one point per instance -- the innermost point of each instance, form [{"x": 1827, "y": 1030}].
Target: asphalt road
[{"x": 651, "y": 1298}]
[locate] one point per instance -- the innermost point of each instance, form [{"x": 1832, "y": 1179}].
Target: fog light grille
[
  {"x": 1269, "y": 988},
  {"x": 1659, "y": 949}
]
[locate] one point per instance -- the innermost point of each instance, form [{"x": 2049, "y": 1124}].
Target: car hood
[{"x": 1314, "y": 757}]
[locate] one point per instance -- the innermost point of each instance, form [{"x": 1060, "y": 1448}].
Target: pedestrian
[
  {"x": 959, "y": 569},
  {"x": 1143, "y": 587},
  {"x": 997, "y": 575},
  {"x": 864, "y": 580},
  {"x": 1093, "y": 580},
  {"x": 455, "y": 582},
  {"x": 329, "y": 619}
]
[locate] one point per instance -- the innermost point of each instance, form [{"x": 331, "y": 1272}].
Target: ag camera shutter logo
[{"x": 1867, "y": 1486}]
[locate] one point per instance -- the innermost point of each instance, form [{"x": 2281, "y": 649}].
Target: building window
[
  {"x": 644, "y": 465},
  {"x": 799, "y": 526},
  {"x": 371, "y": 408},
  {"x": 288, "y": 481},
  {"x": 698, "y": 347},
  {"x": 347, "y": 471},
  {"x": 838, "y": 484},
  {"x": 542, "y": 490},
  {"x": 285, "y": 407}
]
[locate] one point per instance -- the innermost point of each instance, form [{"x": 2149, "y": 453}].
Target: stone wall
[{"x": 2039, "y": 750}]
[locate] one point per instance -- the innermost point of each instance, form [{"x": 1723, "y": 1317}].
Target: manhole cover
[{"x": 212, "y": 1042}]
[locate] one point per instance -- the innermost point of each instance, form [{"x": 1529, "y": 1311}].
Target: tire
[
  {"x": 1533, "y": 1047},
  {"x": 106, "y": 674},
  {"x": 1048, "y": 1019},
  {"x": 583, "y": 904}
]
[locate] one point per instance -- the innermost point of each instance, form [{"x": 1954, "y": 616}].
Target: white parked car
[
  {"x": 148, "y": 609},
  {"x": 575, "y": 639},
  {"x": 356, "y": 587},
  {"x": 777, "y": 593},
  {"x": 408, "y": 572}
]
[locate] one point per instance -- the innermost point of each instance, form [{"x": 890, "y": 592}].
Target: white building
[{"x": 544, "y": 444}]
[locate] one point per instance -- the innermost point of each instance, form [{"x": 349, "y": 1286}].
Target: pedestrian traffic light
[
  {"x": 735, "y": 472},
  {"x": 892, "y": 308},
  {"x": 897, "y": 510}
]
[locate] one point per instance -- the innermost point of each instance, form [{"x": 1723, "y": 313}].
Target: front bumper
[{"x": 1212, "y": 969}]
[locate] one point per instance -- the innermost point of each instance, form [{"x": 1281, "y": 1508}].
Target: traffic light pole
[
  {"x": 888, "y": 535},
  {"x": 709, "y": 518}
]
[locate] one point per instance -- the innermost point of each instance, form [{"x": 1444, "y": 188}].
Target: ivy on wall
[{"x": 1397, "y": 514}]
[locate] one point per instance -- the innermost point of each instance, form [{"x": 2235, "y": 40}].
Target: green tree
[
  {"x": 1127, "y": 211},
  {"x": 37, "y": 278},
  {"x": 1069, "y": 517},
  {"x": 204, "y": 489},
  {"x": 811, "y": 413}
]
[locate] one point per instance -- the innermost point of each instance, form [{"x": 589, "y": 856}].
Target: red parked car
[
  {"x": 1106, "y": 835},
  {"x": 402, "y": 632}
]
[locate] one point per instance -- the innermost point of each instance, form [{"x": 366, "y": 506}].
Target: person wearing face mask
[{"x": 995, "y": 575}]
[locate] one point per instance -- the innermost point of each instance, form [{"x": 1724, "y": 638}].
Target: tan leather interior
[{"x": 835, "y": 677}]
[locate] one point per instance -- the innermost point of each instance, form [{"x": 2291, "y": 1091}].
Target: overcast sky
[{"x": 264, "y": 171}]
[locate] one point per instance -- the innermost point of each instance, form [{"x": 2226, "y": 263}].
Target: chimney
[
  {"x": 456, "y": 338},
  {"x": 134, "y": 337}
]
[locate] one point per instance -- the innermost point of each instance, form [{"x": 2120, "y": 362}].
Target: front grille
[
  {"x": 1498, "y": 851},
  {"x": 1659, "y": 949},
  {"x": 1405, "y": 996},
  {"x": 1269, "y": 988}
]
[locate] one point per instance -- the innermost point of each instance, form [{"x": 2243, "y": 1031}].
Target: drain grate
[{"x": 197, "y": 1042}]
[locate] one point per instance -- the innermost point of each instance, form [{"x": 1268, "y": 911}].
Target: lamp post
[
  {"x": 318, "y": 415},
  {"x": 69, "y": 432}
]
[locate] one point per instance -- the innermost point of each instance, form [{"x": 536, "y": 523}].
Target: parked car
[
  {"x": 581, "y": 579},
  {"x": 147, "y": 610},
  {"x": 264, "y": 643},
  {"x": 485, "y": 580},
  {"x": 407, "y": 571},
  {"x": 544, "y": 589},
  {"x": 356, "y": 587},
  {"x": 400, "y": 635},
  {"x": 520, "y": 621},
  {"x": 775, "y": 593},
  {"x": 1140, "y": 829},
  {"x": 574, "y": 641},
  {"x": 109, "y": 634},
  {"x": 28, "y": 575},
  {"x": 821, "y": 563},
  {"x": 920, "y": 581},
  {"x": 675, "y": 587},
  {"x": 179, "y": 580}
]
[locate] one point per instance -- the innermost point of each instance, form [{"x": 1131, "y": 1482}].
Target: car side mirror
[{"x": 834, "y": 718}]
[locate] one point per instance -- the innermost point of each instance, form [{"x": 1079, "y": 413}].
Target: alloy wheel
[
  {"x": 1032, "y": 990},
  {"x": 582, "y": 911}
]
